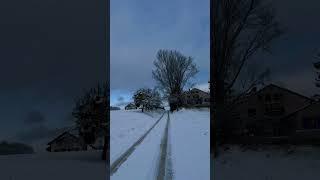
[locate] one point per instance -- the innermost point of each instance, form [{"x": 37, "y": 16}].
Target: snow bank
[
  {"x": 269, "y": 163},
  {"x": 52, "y": 166},
  {"x": 190, "y": 142}
]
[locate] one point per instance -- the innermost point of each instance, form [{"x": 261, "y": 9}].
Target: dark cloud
[{"x": 35, "y": 117}]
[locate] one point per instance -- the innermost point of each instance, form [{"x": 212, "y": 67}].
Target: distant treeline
[
  {"x": 14, "y": 148},
  {"x": 114, "y": 108}
]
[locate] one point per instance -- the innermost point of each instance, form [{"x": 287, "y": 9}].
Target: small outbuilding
[
  {"x": 130, "y": 106},
  {"x": 66, "y": 142}
]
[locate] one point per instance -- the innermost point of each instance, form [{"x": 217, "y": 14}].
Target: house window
[
  {"x": 267, "y": 98},
  {"x": 274, "y": 109},
  {"x": 252, "y": 112},
  {"x": 311, "y": 123},
  {"x": 276, "y": 97}
]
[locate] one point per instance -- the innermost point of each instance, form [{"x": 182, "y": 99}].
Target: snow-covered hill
[
  {"x": 268, "y": 163},
  {"x": 52, "y": 166}
]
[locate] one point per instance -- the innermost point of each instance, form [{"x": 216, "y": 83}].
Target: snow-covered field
[
  {"x": 268, "y": 163},
  {"x": 53, "y": 166},
  {"x": 188, "y": 150},
  {"x": 126, "y": 127},
  {"x": 190, "y": 142}
]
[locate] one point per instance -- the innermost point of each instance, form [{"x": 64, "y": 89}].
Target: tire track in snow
[
  {"x": 118, "y": 162},
  {"x": 164, "y": 170}
]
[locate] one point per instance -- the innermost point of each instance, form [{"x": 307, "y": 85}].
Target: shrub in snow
[{"x": 15, "y": 148}]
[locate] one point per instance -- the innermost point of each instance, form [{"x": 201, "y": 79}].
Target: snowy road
[
  {"x": 176, "y": 147},
  {"x": 164, "y": 165},
  {"x": 148, "y": 158},
  {"x": 117, "y": 163}
]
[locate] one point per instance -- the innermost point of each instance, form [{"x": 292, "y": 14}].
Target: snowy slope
[
  {"x": 126, "y": 127},
  {"x": 271, "y": 163},
  {"x": 190, "y": 144},
  {"x": 52, "y": 166}
]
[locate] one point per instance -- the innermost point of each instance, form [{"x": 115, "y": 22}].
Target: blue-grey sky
[
  {"x": 140, "y": 28},
  {"x": 49, "y": 52}
]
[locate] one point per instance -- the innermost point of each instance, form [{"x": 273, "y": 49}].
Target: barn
[{"x": 66, "y": 142}]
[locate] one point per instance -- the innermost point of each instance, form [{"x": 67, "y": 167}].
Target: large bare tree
[
  {"x": 239, "y": 29},
  {"x": 173, "y": 72}
]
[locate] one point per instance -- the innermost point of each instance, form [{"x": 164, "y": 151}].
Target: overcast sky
[
  {"x": 140, "y": 28},
  {"x": 292, "y": 54},
  {"x": 49, "y": 52}
]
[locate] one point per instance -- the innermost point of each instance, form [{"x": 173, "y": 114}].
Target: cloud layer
[{"x": 140, "y": 28}]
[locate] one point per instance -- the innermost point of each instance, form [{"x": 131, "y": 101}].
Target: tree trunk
[
  {"x": 217, "y": 60},
  {"x": 105, "y": 149},
  {"x": 218, "y": 115}
]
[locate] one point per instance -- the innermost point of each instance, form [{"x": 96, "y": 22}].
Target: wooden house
[
  {"x": 130, "y": 106},
  {"x": 305, "y": 122},
  {"x": 261, "y": 113},
  {"x": 66, "y": 142},
  {"x": 196, "y": 98}
]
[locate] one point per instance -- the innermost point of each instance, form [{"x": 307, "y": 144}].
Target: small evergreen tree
[{"x": 146, "y": 98}]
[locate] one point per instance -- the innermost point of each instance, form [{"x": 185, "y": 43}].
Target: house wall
[
  {"x": 67, "y": 143},
  {"x": 196, "y": 98},
  {"x": 255, "y": 109},
  {"x": 309, "y": 115},
  {"x": 130, "y": 107}
]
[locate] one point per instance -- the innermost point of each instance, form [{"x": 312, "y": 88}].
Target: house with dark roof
[
  {"x": 130, "y": 106},
  {"x": 196, "y": 98},
  {"x": 262, "y": 112},
  {"x": 66, "y": 142}
]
